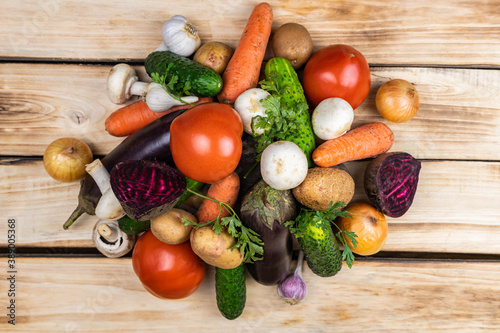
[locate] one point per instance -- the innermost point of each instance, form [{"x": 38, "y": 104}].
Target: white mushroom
[
  {"x": 123, "y": 83},
  {"x": 283, "y": 165},
  {"x": 248, "y": 106},
  {"x": 110, "y": 240}
]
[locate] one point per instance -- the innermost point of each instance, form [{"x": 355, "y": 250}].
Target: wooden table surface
[{"x": 440, "y": 267}]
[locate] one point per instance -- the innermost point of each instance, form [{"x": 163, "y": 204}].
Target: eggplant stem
[{"x": 73, "y": 217}]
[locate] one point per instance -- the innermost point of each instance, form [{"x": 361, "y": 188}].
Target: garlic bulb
[
  {"x": 293, "y": 289},
  {"x": 158, "y": 100},
  {"x": 180, "y": 36}
]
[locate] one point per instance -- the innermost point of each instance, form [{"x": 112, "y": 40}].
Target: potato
[
  {"x": 293, "y": 42},
  {"x": 323, "y": 185},
  {"x": 169, "y": 227},
  {"x": 215, "y": 249},
  {"x": 215, "y": 55}
]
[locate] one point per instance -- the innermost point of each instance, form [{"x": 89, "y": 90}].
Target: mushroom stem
[
  {"x": 139, "y": 88},
  {"x": 123, "y": 83},
  {"x": 108, "y": 232},
  {"x": 110, "y": 240}
]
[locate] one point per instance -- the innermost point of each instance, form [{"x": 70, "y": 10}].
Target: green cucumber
[
  {"x": 133, "y": 227},
  {"x": 191, "y": 185},
  {"x": 200, "y": 80},
  {"x": 231, "y": 293},
  {"x": 321, "y": 249},
  {"x": 280, "y": 71}
]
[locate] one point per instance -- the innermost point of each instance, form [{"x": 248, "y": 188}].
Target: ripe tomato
[
  {"x": 337, "y": 71},
  {"x": 206, "y": 142},
  {"x": 167, "y": 271}
]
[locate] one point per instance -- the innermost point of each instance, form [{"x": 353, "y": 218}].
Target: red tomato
[
  {"x": 167, "y": 271},
  {"x": 337, "y": 71},
  {"x": 206, "y": 142}
]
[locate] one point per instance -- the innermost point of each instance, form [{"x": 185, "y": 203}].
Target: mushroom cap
[
  {"x": 120, "y": 79},
  {"x": 115, "y": 246}
]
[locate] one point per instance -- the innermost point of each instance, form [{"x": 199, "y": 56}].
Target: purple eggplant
[
  {"x": 265, "y": 210},
  {"x": 150, "y": 142}
]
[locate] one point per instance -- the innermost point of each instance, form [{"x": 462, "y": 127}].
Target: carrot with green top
[
  {"x": 365, "y": 141},
  {"x": 243, "y": 70},
  {"x": 130, "y": 118},
  {"x": 226, "y": 191}
]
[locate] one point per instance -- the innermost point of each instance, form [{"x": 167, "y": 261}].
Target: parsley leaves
[
  {"x": 299, "y": 227},
  {"x": 173, "y": 87},
  {"x": 247, "y": 240},
  {"x": 280, "y": 120}
]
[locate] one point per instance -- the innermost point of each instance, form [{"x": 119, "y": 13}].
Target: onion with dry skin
[
  {"x": 370, "y": 226},
  {"x": 397, "y": 101},
  {"x": 65, "y": 159}
]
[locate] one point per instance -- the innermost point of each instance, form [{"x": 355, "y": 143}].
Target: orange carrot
[
  {"x": 130, "y": 118},
  {"x": 362, "y": 142},
  {"x": 243, "y": 70},
  {"x": 227, "y": 191}
]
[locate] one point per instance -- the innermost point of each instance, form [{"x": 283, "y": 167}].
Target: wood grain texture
[
  {"x": 459, "y": 116},
  {"x": 438, "y": 32},
  {"x": 455, "y": 209},
  {"x": 104, "y": 295}
]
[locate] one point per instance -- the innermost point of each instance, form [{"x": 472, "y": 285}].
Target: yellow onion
[
  {"x": 65, "y": 159},
  {"x": 397, "y": 101},
  {"x": 370, "y": 226}
]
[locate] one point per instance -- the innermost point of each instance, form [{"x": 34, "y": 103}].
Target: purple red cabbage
[
  {"x": 145, "y": 188},
  {"x": 391, "y": 182}
]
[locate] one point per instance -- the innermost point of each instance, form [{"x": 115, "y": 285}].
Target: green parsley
[
  {"x": 247, "y": 240},
  {"x": 279, "y": 122},
  {"x": 172, "y": 87}
]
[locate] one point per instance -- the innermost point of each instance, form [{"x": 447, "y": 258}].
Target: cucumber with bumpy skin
[
  {"x": 320, "y": 247},
  {"x": 230, "y": 288},
  {"x": 187, "y": 76},
  {"x": 280, "y": 72},
  {"x": 313, "y": 230}
]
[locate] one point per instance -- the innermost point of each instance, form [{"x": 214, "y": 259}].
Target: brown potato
[
  {"x": 215, "y": 249},
  {"x": 323, "y": 185},
  {"x": 215, "y": 55},
  {"x": 293, "y": 42},
  {"x": 169, "y": 227}
]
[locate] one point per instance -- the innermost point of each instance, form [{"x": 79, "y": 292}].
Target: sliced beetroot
[
  {"x": 146, "y": 189},
  {"x": 391, "y": 182}
]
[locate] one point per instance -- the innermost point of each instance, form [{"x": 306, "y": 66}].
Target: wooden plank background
[
  {"x": 104, "y": 295},
  {"x": 429, "y": 32},
  {"x": 54, "y": 59}
]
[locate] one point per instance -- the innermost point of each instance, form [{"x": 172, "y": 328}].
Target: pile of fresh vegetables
[{"x": 226, "y": 163}]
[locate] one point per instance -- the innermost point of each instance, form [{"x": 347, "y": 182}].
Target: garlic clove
[
  {"x": 162, "y": 47},
  {"x": 293, "y": 289},
  {"x": 158, "y": 100},
  {"x": 180, "y": 36},
  {"x": 108, "y": 207}
]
